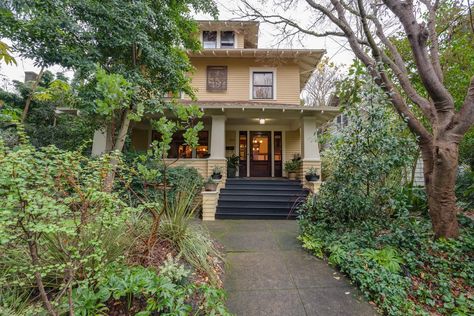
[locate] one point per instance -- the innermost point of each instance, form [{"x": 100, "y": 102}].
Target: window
[
  {"x": 227, "y": 39},
  {"x": 178, "y": 147},
  {"x": 216, "y": 78},
  {"x": 262, "y": 85},
  {"x": 209, "y": 39}
]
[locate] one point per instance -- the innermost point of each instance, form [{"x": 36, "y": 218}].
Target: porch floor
[{"x": 268, "y": 273}]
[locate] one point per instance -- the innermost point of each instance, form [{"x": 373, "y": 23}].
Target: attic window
[
  {"x": 227, "y": 39},
  {"x": 209, "y": 39}
]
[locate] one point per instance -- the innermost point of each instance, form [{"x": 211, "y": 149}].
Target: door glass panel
[
  {"x": 243, "y": 146},
  {"x": 277, "y": 148},
  {"x": 260, "y": 148},
  {"x": 243, "y": 153}
]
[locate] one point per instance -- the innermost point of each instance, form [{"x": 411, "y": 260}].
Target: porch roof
[{"x": 249, "y": 109}]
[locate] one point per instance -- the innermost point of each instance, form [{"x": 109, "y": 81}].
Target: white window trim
[
  {"x": 218, "y": 39},
  {"x": 262, "y": 69}
]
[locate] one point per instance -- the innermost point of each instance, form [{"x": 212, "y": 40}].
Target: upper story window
[
  {"x": 214, "y": 39},
  {"x": 209, "y": 39},
  {"x": 262, "y": 84},
  {"x": 227, "y": 39},
  {"x": 216, "y": 78}
]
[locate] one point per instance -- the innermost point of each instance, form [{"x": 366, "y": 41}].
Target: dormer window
[
  {"x": 209, "y": 39},
  {"x": 215, "y": 39},
  {"x": 227, "y": 39}
]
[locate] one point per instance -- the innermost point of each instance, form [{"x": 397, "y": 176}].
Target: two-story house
[{"x": 250, "y": 97}]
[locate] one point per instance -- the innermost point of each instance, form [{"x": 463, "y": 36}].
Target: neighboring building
[{"x": 251, "y": 103}]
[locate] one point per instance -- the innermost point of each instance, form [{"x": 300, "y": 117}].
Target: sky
[{"x": 337, "y": 51}]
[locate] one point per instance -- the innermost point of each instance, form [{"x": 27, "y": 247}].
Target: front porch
[{"x": 264, "y": 137}]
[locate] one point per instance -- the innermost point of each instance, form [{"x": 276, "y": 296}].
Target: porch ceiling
[{"x": 274, "y": 114}]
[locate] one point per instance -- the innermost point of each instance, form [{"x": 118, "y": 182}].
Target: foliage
[
  {"x": 465, "y": 189},
  {"x": 368, "y": 156},
  {"x": 44, "y": 125},
  {"x": 312, "y": 171},
  {"x": 190, "y": 239},
  {"x": 57, "y": 225},
  {"x": 217, "y": 170},
  {"x": 5, "y": 54},
  {"x": 397, "y": 263},
  {"x": 158, "y": 294},
  {"x": 466, "y": 149},
  {"x": 387, "y": 258},
  {"x": 293, "y": 165},
  {"x": 146, "y": 57},
  {"x": 233, "y": 161}
]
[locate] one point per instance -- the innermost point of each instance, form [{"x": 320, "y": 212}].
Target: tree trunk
[
  {"x": 30, "y": 96},
  {"x": 440, "y": 163},
  {"x": 39, "y": 281},
  {"x": 118, "y": 146}
]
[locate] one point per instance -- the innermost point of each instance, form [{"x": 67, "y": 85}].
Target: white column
[
  {"x": 99, "y": 144},
  {"x": 218, "y": 137},
  {"x": 310, "y": 139}
]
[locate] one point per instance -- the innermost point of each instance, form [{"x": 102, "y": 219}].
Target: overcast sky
[{"x": 337, "y": 51}]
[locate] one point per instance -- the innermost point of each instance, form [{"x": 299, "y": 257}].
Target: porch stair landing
[{"x": 253, "y": 198}]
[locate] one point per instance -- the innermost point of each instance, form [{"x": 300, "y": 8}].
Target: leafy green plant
[
  {"x": 190, "y": 239},
  {"x": 161, "y": 294},
  {"x": 174, "y": 271},
  {"x": 55, "y": 219},
  {"x": 292, "y": 165},
  {"x": 313, "y": 244},
  {"x": 387, "y": 257},
  {"x": 367, "y": 157}
]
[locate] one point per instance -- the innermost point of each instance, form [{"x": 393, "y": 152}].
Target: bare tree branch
[{"x": 417, "y": 36}]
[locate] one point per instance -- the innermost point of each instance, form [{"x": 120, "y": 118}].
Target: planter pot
[
  {"x": 216, "y": 176},
  {"x": 292, "y": 175},
  {"x": 231, "y": 172},
  {"x": 312, "y": 177},
  {"x": 210, "y": 186}
]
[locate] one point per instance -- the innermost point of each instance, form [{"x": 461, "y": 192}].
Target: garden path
[{"x": 268, "y": 273}]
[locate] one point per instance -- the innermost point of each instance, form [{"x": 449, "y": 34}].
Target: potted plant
[
  {"x": 232, "y": 165},
  {"x": 291, "y": 166},
  {"x": 216, "y": 173},
  {"x": 210, "y": 184},
  {"x": 312, "y": 174}
]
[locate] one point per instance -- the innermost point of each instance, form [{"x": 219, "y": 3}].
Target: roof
[
  {"x": 248, "y": 28},
  {"x": 306, "y": 59},
  {"x": 241, "y": 109}
]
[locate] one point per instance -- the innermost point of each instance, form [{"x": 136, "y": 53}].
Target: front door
[{"x": 260, "y": 154}]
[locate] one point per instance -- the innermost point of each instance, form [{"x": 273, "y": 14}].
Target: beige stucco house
[{"x": 250, "y": 97}]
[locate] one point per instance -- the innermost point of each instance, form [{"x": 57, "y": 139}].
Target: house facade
[{"x": 250, "y": 97}]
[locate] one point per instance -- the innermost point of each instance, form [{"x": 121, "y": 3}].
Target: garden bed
[{"x": 399, "y": 266}]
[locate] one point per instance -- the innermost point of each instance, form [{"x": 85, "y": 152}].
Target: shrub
[
  {"x": 397, "y": 264},
  {"x": 57, "y": 225},
  {"x": 141, "y": 291},
  {"x": 191, "y": 240},
  {"x": 368, "y": 157}
]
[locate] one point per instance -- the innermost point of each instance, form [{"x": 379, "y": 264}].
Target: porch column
[
  {"x": 310, "y": 139},
  {"x": 311, "y": 157},
  {"x": 218, "y": 137},
  {"x": 99, "y": 143}
]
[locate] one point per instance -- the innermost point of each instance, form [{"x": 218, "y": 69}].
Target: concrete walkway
[{"x": 268, "y": 273}]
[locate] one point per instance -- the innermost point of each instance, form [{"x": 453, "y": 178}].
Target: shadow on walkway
[{"x": 268, "y": 273}]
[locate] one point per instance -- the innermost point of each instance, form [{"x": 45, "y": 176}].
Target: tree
[
  {"x": 321, "y": 86},
  {"x": 141, "y": 41},
  {"x": 5, "y": 54},
  {"x": 365, "y": 26}
]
